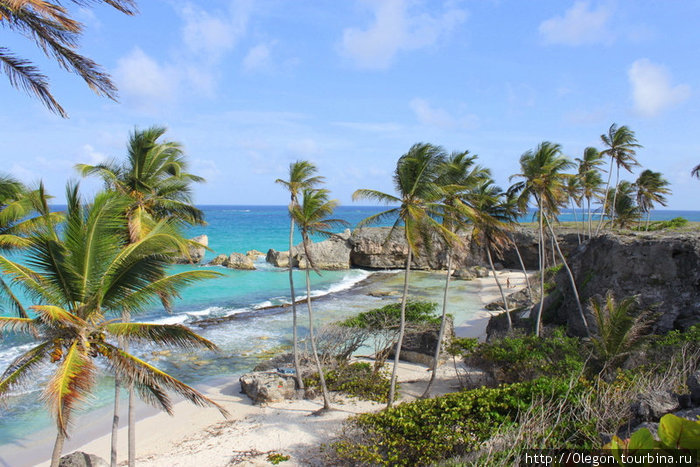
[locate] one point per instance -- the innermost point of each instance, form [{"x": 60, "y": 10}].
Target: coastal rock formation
[
  {"x": 82, "y": 459},
  {"x": 279, "y": 259},
  {"x": 419, "y": 346},
  {"x": 234, "y": 261},
  {"x": 332, "y": 254},
  {"x": 268, "y": 386},
  {"x": 196, "y": 252},
  {"x": 254, "y": 253},
  {"x": 662, "y": 269}
]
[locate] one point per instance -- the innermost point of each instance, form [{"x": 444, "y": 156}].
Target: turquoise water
[{"x": 251, "y": 333}]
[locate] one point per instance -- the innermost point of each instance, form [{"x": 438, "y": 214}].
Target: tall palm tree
[
  {"x": 56, "y": 33},
  {"x": 154, "y": 178},
  {"x": 512, "y": 210},
  {"x": 696, "y": 171},
  {"x": 312, "y": 216},
  {"x": 301, "y": 176},
  {"x": 621, "y": 147},
  {"x": 651, "y": 188},
  {"x": 574, "y": 192},
  {"x": 591, "y": 181},
  {"x": 415, "y": 180},
  {"x": 458, "y": 177},
  {"x": 544, "y": 180},
  {"x": 77, "y": 275},
  {"x": 623, "y": 197}
]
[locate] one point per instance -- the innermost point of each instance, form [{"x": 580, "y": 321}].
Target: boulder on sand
[{"x": 268, "y": 386}]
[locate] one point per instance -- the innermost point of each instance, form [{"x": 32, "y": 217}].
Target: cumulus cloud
[
  {"x": 143, "y": 79},
  {"x": 652, "y": 91},
  {"x": 581, "y": 24},
  {"x": 434, "y": 116},
  {"x": 214, "y": 34},
  {"x": 396, "y": 28}
]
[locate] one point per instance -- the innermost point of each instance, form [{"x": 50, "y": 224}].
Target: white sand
[{"x": 201, "y": 437}]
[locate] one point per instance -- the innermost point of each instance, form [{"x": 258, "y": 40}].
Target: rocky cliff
[{"x": 663, "y": 269}]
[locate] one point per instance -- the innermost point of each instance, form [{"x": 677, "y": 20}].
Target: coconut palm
[
  {"x": 651, "y": 188},
  {"x": 512, "y": 212},
  {"x": 623, "y": 198},
  {"x": 696, "y": 171},
  {"x": 458, "y": 177},
  {"x": 621, "y": 147},
  {"x": 301, "y": 176},
  {"x": 591, "y": 181},
  {"x": 56, "y": 33},
  {"x": 154, "y": 178},
  {"x": 415, "y": 180},
  {"x": 545, "y": 181},
  {"x": 574, "y": 191},
  {"x": 77, "y": 275},
  {"x": 312, "y": 216}
]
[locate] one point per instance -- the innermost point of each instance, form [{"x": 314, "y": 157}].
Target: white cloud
[
  {"x": 397, "y": 29},
  {"x": 433, "y": 116},
  {"x": 258, "y": 58},
  {"x": 303, "y": 147},
  {"x": 23, "y": 174},
  {"x": 140, "y": 77},
  {"x": 581, "y": 24},
  {"x": 214, "y": 34},
  {"x": 90, "y": 156},
  {"x": 652, "y": 91}
]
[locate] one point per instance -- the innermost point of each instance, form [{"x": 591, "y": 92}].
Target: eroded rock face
[
  {"x": 240, "y": 261},
  {"x": 663, "y": 269},
  {"x": 268, "y": 386},
  {"x": 331, "y": 254},
  {"x": 419, "y": 346},
  {"x": 278, "y": 259},
  {"x": 196, "y": 253}
]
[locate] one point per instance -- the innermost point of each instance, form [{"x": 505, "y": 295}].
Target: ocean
[{"x": 253, "y": 331}]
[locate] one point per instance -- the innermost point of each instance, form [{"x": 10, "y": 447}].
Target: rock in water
[
  {"x": 82, "y": 459},
  {"x": 254, "y": 253},
  {"x": 268, "y": 386},
  {"x": 239, "y": 261},
  {"x": 279, "y": 259},
  {"x": 220, "y": 260},
  {"x": 196, "y": 253}
]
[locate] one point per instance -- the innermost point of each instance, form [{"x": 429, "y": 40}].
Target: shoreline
[{"x": 159, "y": 435}]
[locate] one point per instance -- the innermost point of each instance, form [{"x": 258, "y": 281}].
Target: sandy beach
[{"x": 197, "y": 436}]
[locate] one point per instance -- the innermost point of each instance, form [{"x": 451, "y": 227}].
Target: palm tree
[
  {"x": 458, "y": 177},
  {"x": 154, "y": 178},
  {"x": 512, "y": 212},
  {"x": 544, "y": 180},
  {"x": 50, "y": 26},
  {"x": 651, "y": 188},
  {"x": 590, "y": 179},
  {"x": 627, "y": 211},
  {"x": 415, "y": 179},
  {"x": 696, "y": 171},
  {"x": 77, "y": 275},
  {"x": 312, "y": 217},
  {"x": 622, "y": 145},
  {"x": 301, "y": 176},
  {"x": 574, "y": 192}
]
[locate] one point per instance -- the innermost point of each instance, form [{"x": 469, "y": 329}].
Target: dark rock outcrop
[
  {"x": 419, "y": 346},
  {"x": 82, "y": 459},
  {"x": 196, "y": 251},
  {"x": 662, "y": 269}
]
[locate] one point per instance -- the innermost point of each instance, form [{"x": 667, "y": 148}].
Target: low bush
[
  {"x": 416, "y": 313},
  {"x": 356, "y": 379},
  {"x": 428, "y": 430},
  {"x": 522, "y": 358},
  {"x": 675, "y": 223}
]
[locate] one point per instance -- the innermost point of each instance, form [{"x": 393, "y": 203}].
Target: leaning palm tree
[
  {"x": 415, "y": 180},
  {"x": 622, "y": 145},
  {"x": 574, "y": 191},
  {"x": 78, "y": 274},
  {"x": 544, "y": 180},
  {"x": 591, "y": 181},
  {"x": 627, "y": 211},
  {"x": 56, "y": 33},
  {"x": 696, "y": 171},
  {"x": 301, "y": 177},
  {"x": 154, "y": 178},
  {"x": 651, "y": 188},
  {"x": 312, "y": 217},
  {"x": 512, "y": 211},
  {"x": 458, "y": 177}
]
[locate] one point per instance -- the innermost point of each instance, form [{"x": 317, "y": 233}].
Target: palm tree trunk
[
  {"x": 132, "y": 426},
  {"x": 605, "y": 199},
  {"x": 58, "y": 448},
  {"x": 441, "y": 334},
  {"x": 115, "y": 424},
  {"x": 554, "y": 253},
  {"x": 522, "y": 265},
  {"x": 571, "y": 280},
  {"x": 590, "y": 230},
  {"x": 614, "y": 202},
  {"x": 648, "y": 218},
  {"x": 295, "y": 338},
  {"x": 573, "y": 209},
  {"x": 500, "y": 289},
  {"x": 402, "y": 328},
  {"x": 539, "y": 311},
  {"x": 312, "y": 337}
]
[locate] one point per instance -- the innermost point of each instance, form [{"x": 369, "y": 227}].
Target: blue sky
[{"x": 250, "y": 86}]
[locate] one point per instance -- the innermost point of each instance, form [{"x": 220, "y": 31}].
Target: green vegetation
[
  {"x": 389, "y": 316},
  {"x": 675, "y": 223},
  {"x": 356, "y": 379},
  {"x": 276, "y": 458},
  {"x": 673, "y": 433}
]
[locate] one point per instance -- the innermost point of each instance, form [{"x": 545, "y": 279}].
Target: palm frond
[
  {"x": 21, "y": 370},
  {"x": 175, "y": 335}
]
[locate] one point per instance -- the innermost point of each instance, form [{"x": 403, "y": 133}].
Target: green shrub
[
  {"x": 276, "y": 458},
  {"x": 675, "y": 223},
  {"x": 356, "y": 379},
  {"x": 416, "y": 313},
  {"x": 428, "y": 430},
  {"x": 522, "y": 358}
]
